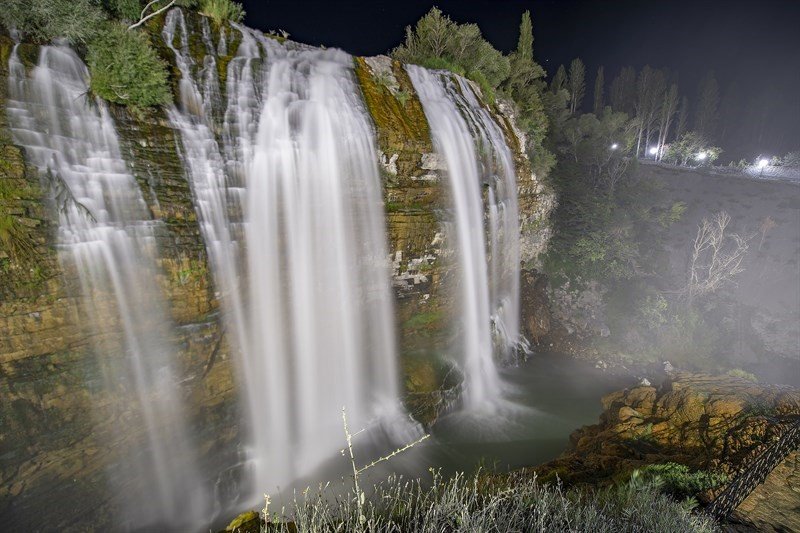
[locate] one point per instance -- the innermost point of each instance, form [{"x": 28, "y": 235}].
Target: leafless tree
[
  {"x": 766, "y": 224},
  {"x": 716, "y": 256},
  {"x": 668, "y": 108},
  {"x": 144, "y": 17}
]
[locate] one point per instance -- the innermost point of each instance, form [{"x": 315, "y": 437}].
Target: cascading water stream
[
  {"x": 476, "y": 154},
  {"x": 216, "y": 172},
  {"x": 322, "y": 311},
  {"x": 497, "y": 166},
  {"x": 314, "y": 319},
  {"x": 107, "y": 237}
]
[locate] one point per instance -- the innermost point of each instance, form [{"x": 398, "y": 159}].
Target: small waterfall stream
[
  {"x": 499, "y": 174},
  {"x": 107, "y": 237},
  {"x": 476, "y": 155},
  {"x": 215, "y": 170}
]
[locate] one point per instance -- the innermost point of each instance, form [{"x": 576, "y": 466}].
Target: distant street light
[
  {"x": 702, "y": 156},
  {"x": 654, "y": 150},
  {"x": 762, "y": 163},
  {"x": 614, "y": 146}
]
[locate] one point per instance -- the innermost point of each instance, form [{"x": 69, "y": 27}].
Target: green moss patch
[{"x": 399, "y": 118}]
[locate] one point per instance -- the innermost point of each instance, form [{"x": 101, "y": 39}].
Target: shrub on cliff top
[
  {"x": 222, "y": 11},
  {"x": 126, "y": 70},
  {"x": 41, "y": 21},
  {"x": 436, "y": 37}
]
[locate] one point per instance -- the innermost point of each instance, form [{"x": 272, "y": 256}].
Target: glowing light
[
  {"x": 701, "y": 156},
  {"x": 614, "y": 146},
  {"x": 762, "y": 163},
  {"x": 654, "y": 150}
]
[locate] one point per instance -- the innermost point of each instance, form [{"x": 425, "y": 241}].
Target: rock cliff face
[
  {"x": 52, "y": 449},
  {"x": 704, "y": 422}
]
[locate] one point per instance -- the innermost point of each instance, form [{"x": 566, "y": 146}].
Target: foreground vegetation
[{"x": 480, "y": 502}]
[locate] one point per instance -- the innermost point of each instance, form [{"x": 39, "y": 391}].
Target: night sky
[{"x": 752, "y": 46}]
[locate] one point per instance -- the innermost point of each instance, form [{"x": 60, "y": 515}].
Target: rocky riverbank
[{"x": 707, "y": 423}]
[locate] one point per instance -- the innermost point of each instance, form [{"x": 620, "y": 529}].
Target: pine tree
[
  {"x": 524, "y": 83},
  {"x": 669, "y": 106},
  {"x": 683, "y": 117},
  {"x": 707, "y": 113},
  {"x": 623, "y": 91},
  {"x": 650, "y": 87},
  {"x": 576, "y": 84},
  {"x": 559, "y": 80},
  {"x": 525, "y": 42},
  {"x": 599, "y": 83}
]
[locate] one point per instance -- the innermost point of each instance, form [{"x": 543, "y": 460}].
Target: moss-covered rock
[{"x": 247, "y": 522}]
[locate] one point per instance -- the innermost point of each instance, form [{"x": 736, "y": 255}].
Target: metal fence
[{"x": 755, "y": 472}]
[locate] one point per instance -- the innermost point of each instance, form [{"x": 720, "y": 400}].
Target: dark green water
[{"x": 544, "y": 401}]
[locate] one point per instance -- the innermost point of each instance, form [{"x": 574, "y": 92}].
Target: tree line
[{"x": 665, "y": 125}]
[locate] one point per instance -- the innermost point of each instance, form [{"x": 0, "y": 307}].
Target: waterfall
[
  {"x": 477, "y": 155},
  {"x": 306, "y": 283},
  {"x": 216, "y": 171},
  {"x": 107, "y": 237},
  {"x": 322, "y": 312}
]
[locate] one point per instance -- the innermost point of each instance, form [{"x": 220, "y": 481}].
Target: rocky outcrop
[
  {"x": 535, "y": 305},
  {"x": 705, "y": 422}
]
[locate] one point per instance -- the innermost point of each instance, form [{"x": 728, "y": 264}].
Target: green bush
[
  {"x": 687, "y": 149},
  {"x": 679, "y": 481},
  {"x": 129, "y": 10},
  {"x": 222, "y": 11},
  {"x": 742, "y": 374},
  {"x": 125, "y": 69},
  {"x": 486, "y": 88},
  {"x": 437, "y": 38},
  {"x": 653, "y": 311},
  {"x": 42, "y": 21}
]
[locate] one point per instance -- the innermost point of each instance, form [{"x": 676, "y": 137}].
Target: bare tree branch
[
  {"x": 144, "y": 19},
  {"x": 716, "y": 258}
]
